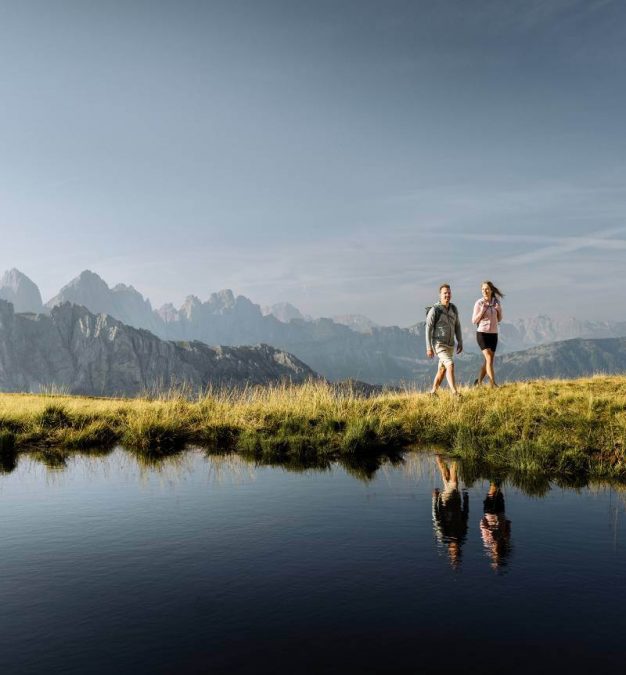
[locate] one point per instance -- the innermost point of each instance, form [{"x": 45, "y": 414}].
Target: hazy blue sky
[{"x": 346, "y": 156}]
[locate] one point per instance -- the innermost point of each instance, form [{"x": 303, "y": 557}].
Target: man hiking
[{"x": 442, "y": 326}]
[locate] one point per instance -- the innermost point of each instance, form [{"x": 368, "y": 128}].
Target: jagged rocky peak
[
  {"x": 168, "y": 313},
  {"x": 122, "y": 301},
  {"x": 88, "y": 279},
  {"x": 225, "y": 302},
  {"x": 131, "y": 296},
  {"x": 358, "y": 322},
  {"x": 86, "y": 289},
  {"x": 284, "y": 312},
  {"x": 90, "y": 286},
  {"x": 190, "y": 306},
  {"x": 127, "y": 288},
  {"x": 221, "y": 301},
  {"x": 246, "y": 306},
  {"x": 17, "y": 288}
]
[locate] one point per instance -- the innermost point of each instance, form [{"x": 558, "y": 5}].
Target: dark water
[{"x": 214, "y": 565}]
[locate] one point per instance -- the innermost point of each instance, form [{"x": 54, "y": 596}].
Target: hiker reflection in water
[
  {"x": 495, "y": 529},
  {"x": 450, "y": 511}
]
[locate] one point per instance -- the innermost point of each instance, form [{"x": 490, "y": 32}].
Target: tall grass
[{"x": 547, "y": 427}]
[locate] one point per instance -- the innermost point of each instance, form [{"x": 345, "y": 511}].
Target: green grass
[{"x": 561, "y": 429}]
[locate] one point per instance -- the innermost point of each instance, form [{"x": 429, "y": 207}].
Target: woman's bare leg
[{"x": 489, "y": 359}]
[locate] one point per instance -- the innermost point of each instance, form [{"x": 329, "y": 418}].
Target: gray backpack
[{"x": 439, "y": 311}]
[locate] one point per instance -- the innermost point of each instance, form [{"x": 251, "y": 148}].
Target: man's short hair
[{"x": 444, "y": 286}]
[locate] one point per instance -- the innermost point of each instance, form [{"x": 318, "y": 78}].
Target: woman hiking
[{"x": 486, "y": 316}]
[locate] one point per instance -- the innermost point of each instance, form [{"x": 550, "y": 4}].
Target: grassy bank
[{"x": 548, "y": 427}]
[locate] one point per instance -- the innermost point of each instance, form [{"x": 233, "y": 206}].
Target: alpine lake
[{"x": 194, "y": 563}]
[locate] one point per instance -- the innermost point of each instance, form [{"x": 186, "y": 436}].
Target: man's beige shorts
[{"x": 445, "y": 354}]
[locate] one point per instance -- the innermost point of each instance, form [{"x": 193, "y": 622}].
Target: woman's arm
[
  {"x": 499, "y": 311},
  {"x": 479, "y": 311}
]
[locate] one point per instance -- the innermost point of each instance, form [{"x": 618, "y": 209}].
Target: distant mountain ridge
[
  {"x": 335, "y": 351},
  {"x": 565, "y": 359},
  {"x": 84, "y": 353},
  {"x": 351, "y": 346}
]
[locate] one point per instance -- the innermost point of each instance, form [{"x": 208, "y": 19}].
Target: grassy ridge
[{"x": 551, "y": 427}]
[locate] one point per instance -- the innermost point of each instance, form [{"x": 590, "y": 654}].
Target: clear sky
[{"x": 343, "y": 155}]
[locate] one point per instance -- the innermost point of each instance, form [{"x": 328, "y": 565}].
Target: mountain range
[
  {"x": 337, "y": 348},
  {"x": 565, "y": 359},
  {"x": 77, "y": 351}
]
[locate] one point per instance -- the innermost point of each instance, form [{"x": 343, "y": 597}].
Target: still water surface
[{"x": 211, "y": 564}]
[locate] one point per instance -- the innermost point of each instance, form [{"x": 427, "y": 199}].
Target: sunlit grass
[{"x": 556, "y": 427}]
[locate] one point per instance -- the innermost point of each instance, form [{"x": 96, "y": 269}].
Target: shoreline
[{"x": 557, "y": 428}]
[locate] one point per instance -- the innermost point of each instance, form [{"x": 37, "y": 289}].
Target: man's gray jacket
[{"x": 448, "y": 326}]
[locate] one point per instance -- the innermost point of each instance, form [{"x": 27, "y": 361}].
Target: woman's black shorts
[{"x": 487, "y": 341}]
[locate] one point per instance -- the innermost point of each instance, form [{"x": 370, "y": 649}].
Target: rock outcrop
[{"x": 83, "y": 353}]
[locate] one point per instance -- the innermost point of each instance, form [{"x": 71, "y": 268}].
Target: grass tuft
[{"x": 54, "y": 416}]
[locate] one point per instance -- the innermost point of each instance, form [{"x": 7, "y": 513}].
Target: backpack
[{"x": 439, "y": 311}]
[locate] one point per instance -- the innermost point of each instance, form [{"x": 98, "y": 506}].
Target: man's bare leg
[
  {"x": 450, "y": 378},
  {"x": 438, "y": 379},
  {"x": 443, "y": 469}
]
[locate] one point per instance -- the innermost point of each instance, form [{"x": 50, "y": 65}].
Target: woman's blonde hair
[{"x": 495, "y": 291}]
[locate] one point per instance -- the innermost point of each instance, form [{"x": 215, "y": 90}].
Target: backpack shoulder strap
[{"x": 437, "y": 311}]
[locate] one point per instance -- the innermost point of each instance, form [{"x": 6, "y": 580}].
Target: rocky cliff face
[
  {"x": 85, "y": 353},
  {"x": 19, "y": 290},
  {"x": 122, "y": 302}
]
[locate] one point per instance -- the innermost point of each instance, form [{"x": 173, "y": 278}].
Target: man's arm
[
  {"x": 459, "y": 334},
  {"x": 428, "y": 331}
]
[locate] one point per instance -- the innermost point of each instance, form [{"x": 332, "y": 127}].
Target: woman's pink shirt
[{"x": 487, "y": 316}]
